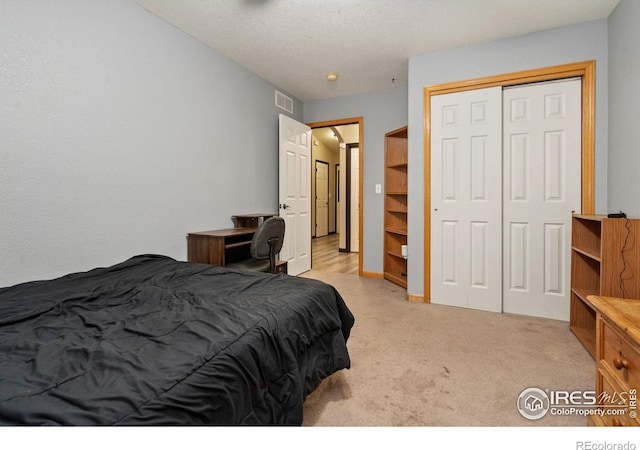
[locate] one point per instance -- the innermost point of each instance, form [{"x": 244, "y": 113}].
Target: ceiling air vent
[{"x": 284, "y": 102}]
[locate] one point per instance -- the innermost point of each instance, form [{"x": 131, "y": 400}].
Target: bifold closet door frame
[{"x": 585, "y": 70}]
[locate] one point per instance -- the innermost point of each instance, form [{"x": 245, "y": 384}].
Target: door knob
[{"x": 284, "y": 206}]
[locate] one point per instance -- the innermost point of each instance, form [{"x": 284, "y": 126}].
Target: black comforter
[{"x": 154, "y": 341}]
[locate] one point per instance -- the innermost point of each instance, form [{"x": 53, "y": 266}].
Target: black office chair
[{"x": 265, "y": 245}]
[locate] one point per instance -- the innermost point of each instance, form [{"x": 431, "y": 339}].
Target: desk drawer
[{"x": 620, "y": 357}]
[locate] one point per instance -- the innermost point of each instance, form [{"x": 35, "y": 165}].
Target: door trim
[
  {"x": 585, "y": 70},
  {"x": 336, "y": 200},
  {"x": 347, "y": 197},
  {"x": 315, "y": 199},
  {"x": 360, "y": 122}
]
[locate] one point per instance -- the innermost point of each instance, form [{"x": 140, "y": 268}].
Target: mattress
[{"x": 155, "y": 341}]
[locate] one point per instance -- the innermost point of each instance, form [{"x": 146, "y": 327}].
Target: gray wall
[
  {"x": 119, "y": 134},
  {"x": 576, "y": 43},
  {"x": 624, "y": 109},
  {"x": 382, "y": 111}
]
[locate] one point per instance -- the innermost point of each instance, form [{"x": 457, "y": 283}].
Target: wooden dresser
[{"x": 617, "y": 360}]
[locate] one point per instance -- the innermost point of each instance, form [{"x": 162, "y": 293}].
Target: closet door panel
[
  {"x": 518, "y": 167},
  {"x": 542, "y": 154},
  {"x": 466, "y": 197},
  {"x": 519, "y": 259},
  {"x": 554, "y": 281}
]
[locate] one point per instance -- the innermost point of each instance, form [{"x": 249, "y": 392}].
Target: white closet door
[
  {"x": 466, "y": 199},
  {"x": 542, "y": 173}
]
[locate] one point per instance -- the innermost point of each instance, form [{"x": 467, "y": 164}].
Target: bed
[{"x": 155, "y": 341}]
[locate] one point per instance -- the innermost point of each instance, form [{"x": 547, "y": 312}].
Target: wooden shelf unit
[
  {"x": 395, "y": 205},
  {"x": 605, "y": 260}
]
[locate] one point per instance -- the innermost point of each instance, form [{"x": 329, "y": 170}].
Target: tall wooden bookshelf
[
  {"x": 605, "y": 261},
  {"x": 395, "y": 205}
]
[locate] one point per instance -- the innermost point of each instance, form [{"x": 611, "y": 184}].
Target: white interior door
[
  {"x": 466, "y": 199},
  {"x": 295, "y": 193},
  {"x": 542, "y": 186},
  {"x": 322, "y": 199},
  {"x": 355, "y": 200}
]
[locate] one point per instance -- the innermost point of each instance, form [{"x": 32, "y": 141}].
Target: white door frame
[
  {"x": 354, "y": 199},
  {"x": 324, "y": 188},
  {"x": 585, "y": 70}
]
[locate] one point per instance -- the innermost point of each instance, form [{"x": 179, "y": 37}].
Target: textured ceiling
[{"x": 295, "y": 43}]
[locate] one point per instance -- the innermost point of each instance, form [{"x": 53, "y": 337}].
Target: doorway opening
[{"x": 336, "y": 195}]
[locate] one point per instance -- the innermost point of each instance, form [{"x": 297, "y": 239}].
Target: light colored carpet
[{"x": 415, "y": 364}]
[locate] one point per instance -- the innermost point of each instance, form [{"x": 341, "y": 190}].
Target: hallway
[{"x": 327, "y": 258}]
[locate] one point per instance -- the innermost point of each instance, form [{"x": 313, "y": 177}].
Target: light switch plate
[{"x": 378, "y": 188}]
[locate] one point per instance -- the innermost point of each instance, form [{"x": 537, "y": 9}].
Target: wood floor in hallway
[{"x": 326, "y": 257}]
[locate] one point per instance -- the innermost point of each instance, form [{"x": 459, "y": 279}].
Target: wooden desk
[{"x": 222, "y": 247}]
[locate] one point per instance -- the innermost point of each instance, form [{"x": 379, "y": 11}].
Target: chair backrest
[{"x": 269, "y": 231}]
